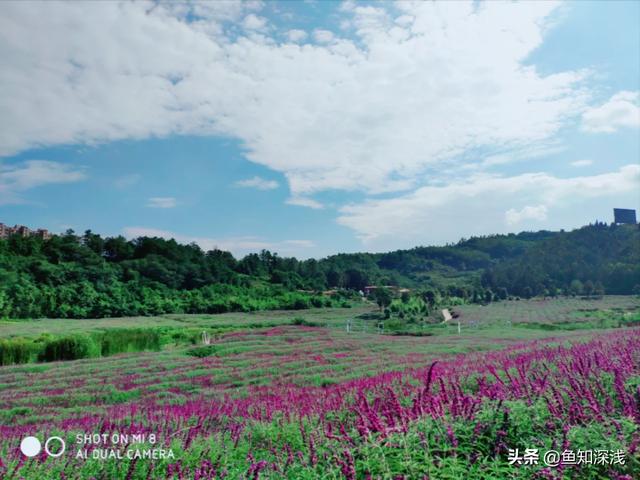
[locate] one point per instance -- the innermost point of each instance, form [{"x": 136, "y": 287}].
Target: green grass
[{"x": 57, "y": 326}]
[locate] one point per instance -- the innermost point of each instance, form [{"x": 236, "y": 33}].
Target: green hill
[{"x": 91, "y": 276}]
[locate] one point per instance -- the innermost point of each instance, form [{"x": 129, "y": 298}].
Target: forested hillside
[
  {"x": 594, "y": 259},
  {"x": 91, "y": 276}
]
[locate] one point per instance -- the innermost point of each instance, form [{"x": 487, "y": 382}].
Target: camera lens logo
[{"x": 31, "y": 446}]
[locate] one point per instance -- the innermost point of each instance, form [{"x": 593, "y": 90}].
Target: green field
[
  {"x": 552, "y": 311},
  {"x": 548, "y": 310},
  {"x": 57, "y": 326}
]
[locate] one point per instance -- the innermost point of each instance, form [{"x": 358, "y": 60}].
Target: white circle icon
[
  {"x": 30, "y": 446},
  {"x": 46, "y": 447}
]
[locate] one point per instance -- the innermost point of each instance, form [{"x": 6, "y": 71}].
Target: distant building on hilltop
[
  {"x": 6, "y": 231},
  {"x": 43, "y": 233},
  {"x": 624, "y": 215}
]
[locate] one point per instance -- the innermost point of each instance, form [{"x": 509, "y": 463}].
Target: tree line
[{"x": 76, "y": 276}]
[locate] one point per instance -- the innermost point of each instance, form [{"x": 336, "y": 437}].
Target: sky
[{"x": 312, "y": 128}]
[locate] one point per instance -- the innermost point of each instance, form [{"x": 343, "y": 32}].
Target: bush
[
  {"x": 217, "y": 307},
  {"x": 410, "y": 333},
  {"x": 189, "y": 336},
  {"x": 299, "y": 304},
  {"x": 298, "y": 321},
  {"x": 14, "y": 351},
  {"x": 317, "y": 302},
  {"x": 302, "y": 322},
  {"x": 129, "y": 340},
  {"x": 204, "y": 351},
  {"x": 72, "y": 347}
]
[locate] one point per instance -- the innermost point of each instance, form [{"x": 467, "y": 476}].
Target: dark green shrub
[
  {"x": 16, "y": 350},
  {"x": 392, "y": 325},
  {"x": 298, "y": 321},
  {"x": 72, "y": 347},
  {"x": 300, "y": 304},
  {"x": 128, "y": 340},
  {"x": 204, "y": 351},
  {"x": 185, "y": 336},
  {"x": 217, "y": 307},
  {"x": 302, "y": 322},
  {"x": 411, "y": 333}
]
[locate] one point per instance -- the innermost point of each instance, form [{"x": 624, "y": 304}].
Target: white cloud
[
  {"x": 18, "y": 178},
  {"x": 161, "y": 202},
  {"x": 218, "y": 11},
  {"x": 254, "y": 22},
  {"x": 514, "y": 217},
  {"x": 541, "y": 149},
  {"x": 437, "y": 214},
  {"x": 258, "y": 182},
  {"x": 305, "y": 202},
  {"x": 372, "y": 113},
  {"x": 582, "y": 163},
  {"x": 239, "y": 246},
  {"x": 296, "y": 35},
  {"x": 323, "y": 36},
  {"x": 621, "y": 111}
]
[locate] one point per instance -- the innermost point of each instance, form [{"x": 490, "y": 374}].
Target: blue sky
[{"x": 311, "y": 128}]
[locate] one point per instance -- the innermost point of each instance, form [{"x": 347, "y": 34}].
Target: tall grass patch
[
  {"x": 71, "y": 347},
  {"x": 128, "y": 340},
  {"x": 16, "y": 350}
]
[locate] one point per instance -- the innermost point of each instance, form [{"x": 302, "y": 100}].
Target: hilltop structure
[
  {"x": 6, "y": 231},
  {"x": 624, "y": 215}
]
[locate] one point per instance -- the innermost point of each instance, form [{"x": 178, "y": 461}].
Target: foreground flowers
[{"x": 455, "y": 418}]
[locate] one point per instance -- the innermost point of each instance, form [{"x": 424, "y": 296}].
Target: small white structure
[
  {"x": 446, "y": 314},
  {"x": 206, "y": 339}
]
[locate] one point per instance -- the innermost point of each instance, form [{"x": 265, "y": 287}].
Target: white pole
[{"x": 458, "y": 327}]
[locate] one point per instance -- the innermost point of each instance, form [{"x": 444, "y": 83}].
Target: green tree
[
  {"x": 598, "y": 289},
  {"x": 488, "y": 296},
  {"x": 588, "y": 288},
  {"x": 383, "y": 297},
  {"x": 94, "y": 242},
  {"x": 429, "y": 297},
  {"x": 576, "y": 287}
]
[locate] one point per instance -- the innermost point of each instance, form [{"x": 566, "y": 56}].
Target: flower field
[
  {"x": 301, "y": 402},
  {"x": 547, "y": 311}
]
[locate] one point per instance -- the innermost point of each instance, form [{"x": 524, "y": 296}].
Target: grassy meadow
[{"x": 291, "y": 394}]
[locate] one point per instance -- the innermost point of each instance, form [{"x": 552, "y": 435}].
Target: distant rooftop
[{"x": 6, "y": 231}]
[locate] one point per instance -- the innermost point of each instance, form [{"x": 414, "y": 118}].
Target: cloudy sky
[{"x": 311, "y": 128}]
